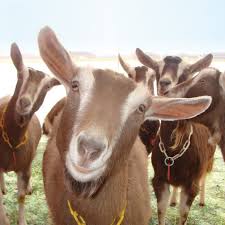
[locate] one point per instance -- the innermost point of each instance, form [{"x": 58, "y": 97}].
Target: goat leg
[
  {"x": 22, "y": 184},
  {"x": 202, "y": 191},
  {"x": 187, "y": 197},
  {"x": 162, "y": 193},
  {"x": 173, "y": 199},
  {"x": 2, "y": 183},
  {"x": 3, "y": 218}
]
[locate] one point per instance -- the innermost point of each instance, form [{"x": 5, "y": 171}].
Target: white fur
[
  {"x": 97, "y": 167},
  {"x": 86, "y": 81}
]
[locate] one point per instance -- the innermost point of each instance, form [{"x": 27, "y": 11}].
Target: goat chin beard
[
  {"x": 83, "y": 189},
  {"x": 22, "y": 120}
]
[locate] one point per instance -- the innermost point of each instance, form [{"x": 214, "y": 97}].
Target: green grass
[{"x": 37, "y": 214}]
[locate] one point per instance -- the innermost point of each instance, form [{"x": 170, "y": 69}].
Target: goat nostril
[
  {"x": 165, "y": 82},
  {"x": 90, "y": 147},
  {"x": 24, "y": 102}
]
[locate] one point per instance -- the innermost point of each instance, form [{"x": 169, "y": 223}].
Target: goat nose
[
  {"x": 24, "y": 102},
  {"x": 90, "y": 147},
  {"x": 165, "y": 82}
]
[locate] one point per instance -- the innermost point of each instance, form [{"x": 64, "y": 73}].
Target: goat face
[
  {"x": 31, "y": 88},
  {"x": 139, "y": 74},
  {"x": 172, "y": 70},
  {"x": 103, "y": 113},
  {"x": 209, "y": 81}
]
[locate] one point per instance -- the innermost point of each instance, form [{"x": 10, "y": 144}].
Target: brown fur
[
  {"x": 191, "y": 167},
  {"x": 50, "y": 118}
]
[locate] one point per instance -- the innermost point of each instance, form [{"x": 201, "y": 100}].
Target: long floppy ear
[
  {"x": 177, "y": 108},
  {"x": 127, "y": 68},
  {"x": 201, "y": 64},
  {"x": 16, "y": 57},
  {"x": 55, "y": 56},
  {"x": 146, "y": 60}
]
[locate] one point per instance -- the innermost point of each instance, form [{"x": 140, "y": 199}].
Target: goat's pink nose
[
  {"x": 90, "y": 148},
  {"x": 24, "y": 102}
]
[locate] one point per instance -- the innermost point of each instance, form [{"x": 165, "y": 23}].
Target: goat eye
[
  {"x": 75, "y": 85},
  {"x": 141, "y": 108}
]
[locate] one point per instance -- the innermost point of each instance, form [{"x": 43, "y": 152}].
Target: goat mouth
[
  {"x": 81, "y": 169},
  {"x": 22, "y": 119}
]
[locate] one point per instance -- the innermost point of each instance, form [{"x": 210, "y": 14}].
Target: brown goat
[
  {"x": 181, "y": 157},
  {"x": 94, "y": 166},
  {"x": 211, "y": 82},
  {"x": 20, "y": 129},
  {"x": 172, "y": 70},
  {"x": 51, "y": 116}
]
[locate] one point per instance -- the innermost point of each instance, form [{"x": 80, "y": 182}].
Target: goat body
[{"x": 187, "y": 171}]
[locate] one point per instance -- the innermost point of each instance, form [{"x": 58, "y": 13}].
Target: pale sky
[{"x": 112, "y": 26}]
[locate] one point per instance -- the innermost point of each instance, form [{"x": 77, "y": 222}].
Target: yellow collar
[
  {"x": 80, "y": 220},
  {"x": 5, "y": 135}
]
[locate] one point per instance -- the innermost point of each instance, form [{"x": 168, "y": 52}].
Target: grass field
[{"x": 37, "y": 214}]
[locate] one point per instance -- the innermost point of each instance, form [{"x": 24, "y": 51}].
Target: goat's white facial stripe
[
  {"x": 136, "y": 97},
  {"x": 43, "y": 82},
  {"x": 40, "y": 86},
  {"x": 25, "y": 74},
  {"x": 86, "y": 80}
]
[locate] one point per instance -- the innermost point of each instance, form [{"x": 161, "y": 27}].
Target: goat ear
[
  {"x": 16, "y": 57},
  {"x": 201, "y": 64},
  {"x": 147, "y": 60},
  {"x": 181, "y": 89},
  {"x": 177, "y": 108},
  {"x": 127, "y": 68},
  {"x": 55, "y": 56}
]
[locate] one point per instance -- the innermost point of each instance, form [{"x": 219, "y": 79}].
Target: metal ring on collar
[{"x": 169, "y": 161}]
